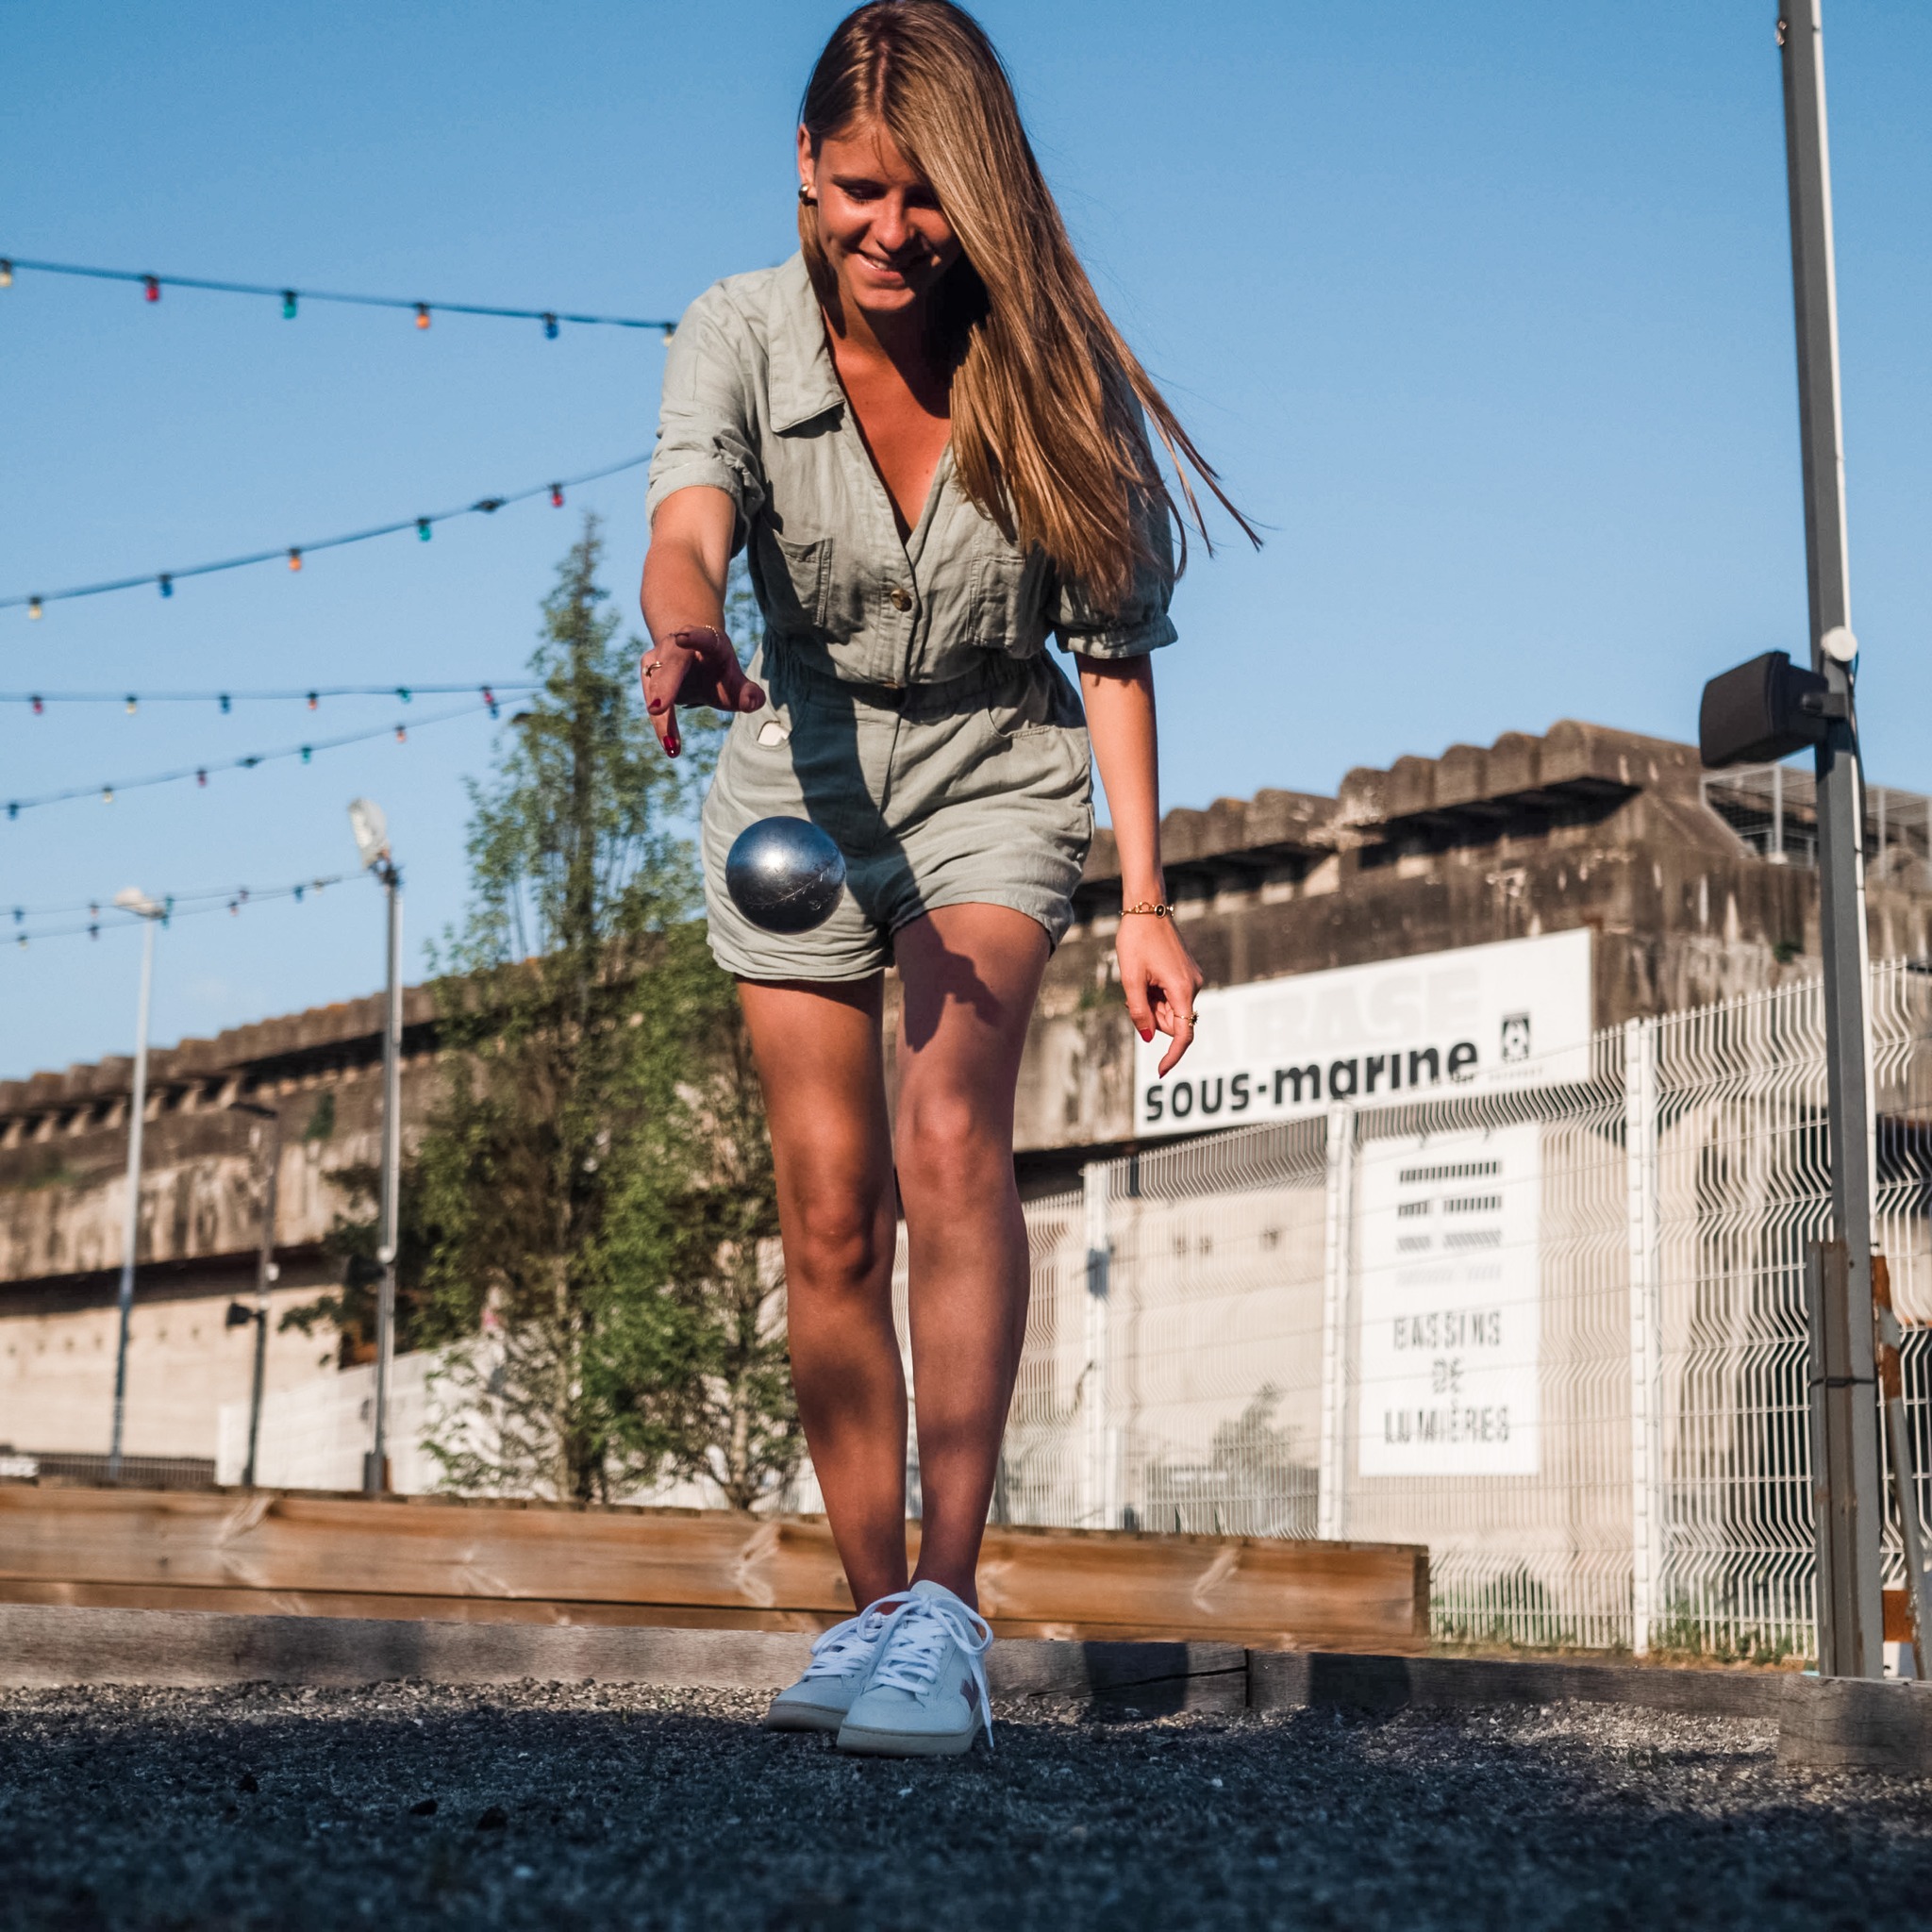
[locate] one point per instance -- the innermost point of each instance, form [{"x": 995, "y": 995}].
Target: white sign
[
  {"x": 1449, "y": 1304},
  {"x": 1399, "y": 1029}
]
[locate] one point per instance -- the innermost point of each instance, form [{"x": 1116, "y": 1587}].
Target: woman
[{"x": 931, "y": 440}]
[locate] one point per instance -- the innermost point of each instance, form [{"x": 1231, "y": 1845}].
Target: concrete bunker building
[{"x": 1681, "y": 887}]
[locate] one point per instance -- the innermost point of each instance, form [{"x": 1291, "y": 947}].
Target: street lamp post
[
  {"x": 150, "y": 913},
  {"x": 265, "y": 1273},
  {"x": 372, "y": 842},
  {"x": 1760, "y": 712}
]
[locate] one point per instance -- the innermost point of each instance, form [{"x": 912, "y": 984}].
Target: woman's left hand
[{"x": 1160, "y": 980}]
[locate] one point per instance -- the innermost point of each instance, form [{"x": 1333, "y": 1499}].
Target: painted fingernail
[
  {"x": 1147, "y": 1038},
  {"x": 672, "y": 745}
]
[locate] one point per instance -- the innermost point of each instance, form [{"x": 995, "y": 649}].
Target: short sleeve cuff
[
  {"x": 714, "y": 470},
  {"x": 1118, "y": 639}
]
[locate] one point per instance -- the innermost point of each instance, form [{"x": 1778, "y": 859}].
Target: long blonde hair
[{"x": 1047, "y": 440}]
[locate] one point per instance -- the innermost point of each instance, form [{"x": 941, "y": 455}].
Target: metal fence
[{"x": 1555, "y": 1331}]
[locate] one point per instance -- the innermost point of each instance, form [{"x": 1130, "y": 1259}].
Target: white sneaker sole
[{"x": 865, "y": 1741}]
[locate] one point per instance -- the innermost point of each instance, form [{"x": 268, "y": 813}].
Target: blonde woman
[{"x": 932, "y": 443}]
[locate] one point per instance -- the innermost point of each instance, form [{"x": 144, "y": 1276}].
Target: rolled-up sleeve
[
  {"x": 705, "y": 433},
  {"x": 1138, "y": 623}
]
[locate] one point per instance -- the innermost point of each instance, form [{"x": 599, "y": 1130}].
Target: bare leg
[
  {"x": 820, "y": 1063},
  {"x": 971, "y": 975}
]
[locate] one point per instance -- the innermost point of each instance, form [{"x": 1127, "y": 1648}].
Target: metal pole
[
  {"x": 1095, "y": 1485},
  {"x": 375, "y": 1467},
  {"x": 1851, "y": 1497},
  {"x": 1646, "y": 1347},
  {"x": 264, "y": 1274},
  {"x": 131, "y": 1229}
]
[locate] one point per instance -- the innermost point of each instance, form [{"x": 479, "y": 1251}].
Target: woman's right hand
[{"x": 695, "y": 665}]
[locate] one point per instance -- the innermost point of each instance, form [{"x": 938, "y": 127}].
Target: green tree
[{"x": 595, "y": 1181}]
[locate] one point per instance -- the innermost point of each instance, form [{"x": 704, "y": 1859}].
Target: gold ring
[{"x": 1184, "y": 1019}]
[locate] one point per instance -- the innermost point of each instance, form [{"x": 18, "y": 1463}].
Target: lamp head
[
  {"x": 371, "y": 829},
  {"x": 132, "y": 899}
]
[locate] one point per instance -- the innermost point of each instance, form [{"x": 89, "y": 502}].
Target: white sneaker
[
  {"x": 925, "y": 1695},
  {"x": 841, "y": 1657}
]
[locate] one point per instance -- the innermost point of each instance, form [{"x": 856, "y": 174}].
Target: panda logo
[{"x": 1515, "y": 1038}]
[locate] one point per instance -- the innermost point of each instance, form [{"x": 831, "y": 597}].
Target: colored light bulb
[
  {"x": 305, "y": 754},
  {"x": 422, "y": 315},
  {"x": 288, "y": 305},
  {"x": 94, "y": 932},
  {"x": 314, "y": 702},
  {"x": 294, "y": 559},
  {"x": 550, "y": 328},
  {"x": 40, "y": 708},
  {"x": 5, "y": 272},
  {"x": 227, "y": 704},
  {"x": 133, "y": 704},
  {"x": 298, "y": 896},
  {"x": 152, "y": 286},
  {"x": 167, "y": 584},
  {"x": 402, "y": 733},
  {"x": 33, "y": 607},
  {"x": 106, "y": 795},
  {"x": 201, "y": 778},
  {"x": 13, "y": 809},
  {"x": 422, "y": 529},
  {"x": 557, "y": 495},
  {"x": 403, "y": 693}
]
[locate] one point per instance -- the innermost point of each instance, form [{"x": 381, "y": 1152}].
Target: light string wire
[
  {"x": 107, "y": 792},
  {"x": 174, "y": 905},
  {"x": 151, "y": 286},
  {"x": 294, "y": 553},
  {"x": 313, "y": 695}
]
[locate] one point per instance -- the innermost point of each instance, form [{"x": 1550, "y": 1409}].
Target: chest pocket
[
  {"x": 797, "y": 583},
  {"x": 1010, "y": 604}
]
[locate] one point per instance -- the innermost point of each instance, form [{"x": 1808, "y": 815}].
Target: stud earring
[{"x": 806, "y": 198}]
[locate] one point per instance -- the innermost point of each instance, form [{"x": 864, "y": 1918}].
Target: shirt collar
[{"x": 803, "y": 383}]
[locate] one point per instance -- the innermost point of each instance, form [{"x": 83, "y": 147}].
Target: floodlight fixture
[
  {"x": 371, "y": 829},
  {"x": 132, "y": 899}
]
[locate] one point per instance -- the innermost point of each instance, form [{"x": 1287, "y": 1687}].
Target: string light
[
  {"x": 293, "y": 552},
  {"x": 200, "y": 773},
  {"x": 557, "y": 496},
  {"x": 230, "y": 899},
  {"x": 153, "y": 285},
  {"x": 167, "y": 585},
  {"x": 309, "y": 696}
]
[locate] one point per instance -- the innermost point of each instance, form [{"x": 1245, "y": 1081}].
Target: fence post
[
  {"x": 1646, "y": 1340},
  {"x": 1096, "y": 1498},
  {"x": 1331, "y": 1510}
]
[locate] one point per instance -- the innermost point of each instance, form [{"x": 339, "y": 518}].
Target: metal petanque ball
[{"x": 785, "y": 875}]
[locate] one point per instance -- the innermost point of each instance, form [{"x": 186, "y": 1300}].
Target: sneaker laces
[
  {"x": 846, "y": 1645},
  {"x": 914, "y": 1645}
]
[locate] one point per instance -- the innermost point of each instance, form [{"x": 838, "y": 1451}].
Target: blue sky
[{"x": 1485, "y": 315}]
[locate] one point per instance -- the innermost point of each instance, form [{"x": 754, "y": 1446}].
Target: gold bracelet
[{"x": 1151, "y": 909}]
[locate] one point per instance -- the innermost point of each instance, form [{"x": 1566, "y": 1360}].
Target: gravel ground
[{"x": 561, "y": 1807}]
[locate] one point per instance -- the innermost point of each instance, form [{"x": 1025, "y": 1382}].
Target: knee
[
  {"x": 944, "y": 1143},
  {"x": 833, "y": 1240}
]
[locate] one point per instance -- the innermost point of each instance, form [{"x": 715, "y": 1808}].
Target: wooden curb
[
  {"x": 1852, "y": 1724},
  {"x": 1288, "y": 1680},
  {"x": 46, "y": 1647}
]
